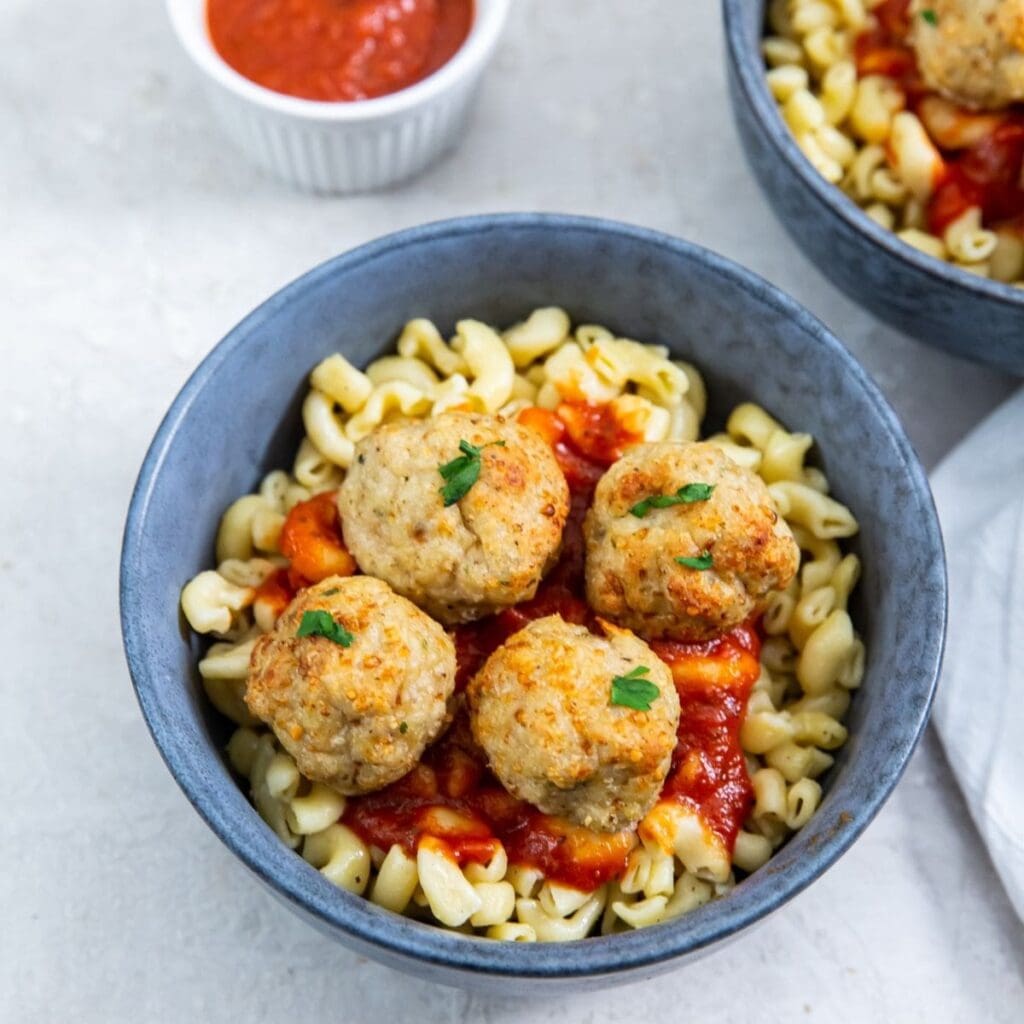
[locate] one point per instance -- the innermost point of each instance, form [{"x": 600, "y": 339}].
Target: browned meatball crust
[
  {"x": 355, "y": 718},
  {"x": 487, "y": 551},
  {"x": 971, "y": 50},
  {"x": 541, "y": 710},
  {"x": 632, "y": 573}
]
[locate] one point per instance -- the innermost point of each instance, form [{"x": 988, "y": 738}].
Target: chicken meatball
[
  {"x": 473, "y": 550},
  {"x": 355, "y": 682},
  {"x": 735, "y": 546},
  {"x": 542, "y": 709},
  {"x": 971, "y": 50}
]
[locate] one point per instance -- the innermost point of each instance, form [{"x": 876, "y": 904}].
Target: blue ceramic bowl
[
  {"x": 933, "y": 301},
  {"x": 238, "y": 417}
]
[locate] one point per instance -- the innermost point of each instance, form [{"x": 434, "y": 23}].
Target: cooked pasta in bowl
[
  {"x": 555, "y": 796},
  {"x": 895, "y": 128},
  {"x": 520, "y": 623}
]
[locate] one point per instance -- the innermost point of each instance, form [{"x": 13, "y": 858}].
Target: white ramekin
[{"x": 342, "y": 147}]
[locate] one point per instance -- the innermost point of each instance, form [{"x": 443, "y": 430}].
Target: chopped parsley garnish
[
  {"x": 332, "y": 592},
  {"x": 463, "y": 471},
  {"x": 703, "y": 561},
  {"x": 321, "y": 623},
  {"x": 403, "y": 728},
  {"x": 686, "y": 495},
  {"x": 930, "y": 16},
  {"x": 634, "y": 691}
]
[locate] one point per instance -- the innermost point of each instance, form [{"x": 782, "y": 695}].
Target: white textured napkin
[{"x": 979, "y": 710}]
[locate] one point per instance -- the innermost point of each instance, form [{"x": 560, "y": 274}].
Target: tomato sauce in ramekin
[{"x": 338, "y": 50}]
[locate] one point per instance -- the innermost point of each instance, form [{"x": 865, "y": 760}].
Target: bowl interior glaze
[{"x": 238, "y": 417}]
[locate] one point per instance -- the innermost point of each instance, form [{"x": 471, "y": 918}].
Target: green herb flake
[
  {"x": 703, "y": 561},
  {"x": 462, "y": 472},
  {"x": 331, "y": 592},
  {"x": 634, "y": 691},
  {"x": 686, "y": 495},
  {"x": 321, "y": 623},
  {"x": 403, "y": 728},
  {"x": 931, "y": 17}
]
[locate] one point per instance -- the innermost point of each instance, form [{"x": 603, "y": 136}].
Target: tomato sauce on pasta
[
  {"x": 311, "y": 541},
  {"x": 708, "y": 771},
  {"x": 452, "y": 796},
  {"x": 883, "y": 49},
  {"x": 276, "y": 592}
]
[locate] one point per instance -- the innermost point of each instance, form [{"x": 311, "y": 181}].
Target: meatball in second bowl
[
  {"x": 683, "y": 543},
  {"x": 971, "y": 50},
  {"x": 355, "y": 681},
  {"x": 462, "y": 513},
  {"x": 579, "y": 725}
]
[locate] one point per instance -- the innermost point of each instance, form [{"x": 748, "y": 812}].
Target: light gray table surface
[{"x": 131, "y": 239}]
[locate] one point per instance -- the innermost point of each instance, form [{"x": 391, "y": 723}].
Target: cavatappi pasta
[
  {"x": 811, "y": 659},
  {"x": 946, "y": 179}
]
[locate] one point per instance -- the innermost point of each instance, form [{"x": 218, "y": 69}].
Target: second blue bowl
[{"x": 935, "y": 302}]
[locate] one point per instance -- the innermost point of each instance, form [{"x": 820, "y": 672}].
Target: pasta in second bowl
[
  {"x": 895, "y": 191},
  {"x": 690, "y": 309}
]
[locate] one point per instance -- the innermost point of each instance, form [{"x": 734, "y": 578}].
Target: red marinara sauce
[
  {"x": 311, "y": 541},
  {"x": 713, "y": 680},
  {"x": 338, "y": 49},
  {"x": 988, "y": 173},
  {"x": 276, "y": 592},
  {"x": 883, "y": 48},
  {"x": 451, "y": 795}
]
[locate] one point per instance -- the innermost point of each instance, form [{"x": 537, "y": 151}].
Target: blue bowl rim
[
  {"x": 750, "y": 69},
  {"x": 398, "y": 937}
]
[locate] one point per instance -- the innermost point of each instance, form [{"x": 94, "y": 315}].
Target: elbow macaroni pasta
[
  {"x": 812, "y": 657},
  {"x": 857, "y": 132},
  {"x": 536, "y": 362}
]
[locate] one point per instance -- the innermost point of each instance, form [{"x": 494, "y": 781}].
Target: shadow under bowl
[{"x": 238, "y": 417}]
